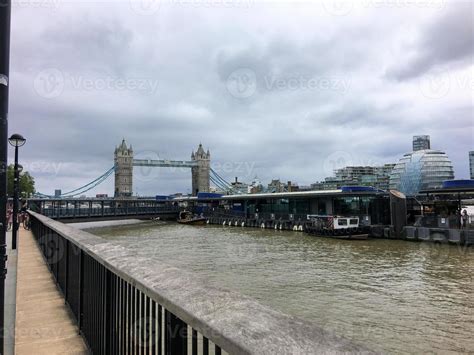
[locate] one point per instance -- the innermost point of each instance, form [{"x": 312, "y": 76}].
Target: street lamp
[
  {"x": 5, "y": 11},
  {"x": 16, "y": 140}
]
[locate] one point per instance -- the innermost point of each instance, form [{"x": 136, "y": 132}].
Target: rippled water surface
[{"x": 392, "y": 296}]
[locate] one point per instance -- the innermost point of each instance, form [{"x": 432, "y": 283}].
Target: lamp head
[{"x": 16, "y": 140}]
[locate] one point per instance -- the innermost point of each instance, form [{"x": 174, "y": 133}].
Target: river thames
[{"x": 392, "y": 296}]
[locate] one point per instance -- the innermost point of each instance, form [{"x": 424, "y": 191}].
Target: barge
[{"x": 336, "y": 227}]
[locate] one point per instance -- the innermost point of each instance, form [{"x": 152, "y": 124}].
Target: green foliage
[{"x": 27, "y": 183}]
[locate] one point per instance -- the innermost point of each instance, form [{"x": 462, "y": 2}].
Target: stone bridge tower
[
  {"x": 123, "y": 159},
  {"x": 201, "y": 172}
]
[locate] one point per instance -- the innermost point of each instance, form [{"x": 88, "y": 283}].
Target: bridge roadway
[
  {"x": 44, "y": 324},
  {"x": 165, "y": 163}
]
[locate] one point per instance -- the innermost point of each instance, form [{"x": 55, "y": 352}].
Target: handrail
[
  {"x": 235, "y": 323},
  {"x": 102, "y": 212}
]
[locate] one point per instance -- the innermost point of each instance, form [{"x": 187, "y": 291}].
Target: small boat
[
  {"x": 337, "y": 227},
  {"x": 186, "y": 217}
]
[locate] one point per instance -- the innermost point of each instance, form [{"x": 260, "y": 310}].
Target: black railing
[
  {"x": 125, "y": 304},
  {"x": 436, "y": 221},
  {"x": 107, "y": 212},
  {"x": 113, "y": 315},
  {"x": 256, "y": 215}
]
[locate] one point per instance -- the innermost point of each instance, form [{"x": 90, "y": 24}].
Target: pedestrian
[
  {"x": 9, "y": 218},
  {"x": 464, "y": 217}
]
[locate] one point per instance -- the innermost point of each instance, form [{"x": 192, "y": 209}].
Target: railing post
[
  {"x": 66, "y": 272},
  {"x": 123, "y": 315},
  {"x": 108, "y": 309},
  {"x": 176, "y": 335},
  {"x": 143, "y": 323},
  {"x": 81, "y": 289}
]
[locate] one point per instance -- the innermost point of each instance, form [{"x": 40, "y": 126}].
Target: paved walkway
[{"x": 44, "y": 324}]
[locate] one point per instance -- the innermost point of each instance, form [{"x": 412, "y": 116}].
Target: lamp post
[
  {"x": 5, "y": 10},
  {"x": 16, "y": 140}
]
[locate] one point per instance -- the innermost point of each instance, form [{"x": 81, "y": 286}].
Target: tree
[{"x": 27, "y": 182}]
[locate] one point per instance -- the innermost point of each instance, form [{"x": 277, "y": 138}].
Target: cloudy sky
[{"x": 273, "y": 89}]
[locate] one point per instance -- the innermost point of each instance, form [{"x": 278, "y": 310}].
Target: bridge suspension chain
[
  {"x": 100, "y": 178},
  {"x": 80, "y": 190},
  {"x": 220, "y": 182}
]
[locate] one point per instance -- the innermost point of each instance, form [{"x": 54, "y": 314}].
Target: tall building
[
  {"x": 375, "y": 176},
  {"x": 201, "y": 172},
  {"x": 421, "y": 170},
  {"x": 255, "y": 186},
  {"x": 276, "y": 186},
  {"x": 421, "y": 142},
  {"x": 239, "y": 186},
  {"x": 123, "y": 158},
  {"x": 471, "y": 163}
]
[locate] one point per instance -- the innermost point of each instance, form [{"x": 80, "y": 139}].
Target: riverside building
[
  {"x": 421, "y": 169},
  {"x": 374, "y": 176}
]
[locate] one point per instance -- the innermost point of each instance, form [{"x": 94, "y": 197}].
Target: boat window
[
  {"x": 342, "y": 222},
  {"x": 353, "y": 221}
]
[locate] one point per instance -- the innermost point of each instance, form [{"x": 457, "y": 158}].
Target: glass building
[
  {"x": 421, "y": 142},
  {"x": 420, "y": 170},
  {"x": 471, "y": 164}
]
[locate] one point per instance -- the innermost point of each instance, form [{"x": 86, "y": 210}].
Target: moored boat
[
  {"x": 337, "y": 227},
  {"x": 186, "y": 217}
]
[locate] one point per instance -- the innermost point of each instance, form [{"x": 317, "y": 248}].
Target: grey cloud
[
  {"x": 102, "y": 46},
  {"x": 281, "y": 132},
  {"x": 447, "y": 41}
]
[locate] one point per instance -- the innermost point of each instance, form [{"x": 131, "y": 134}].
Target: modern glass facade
[
  {"x": 421, "y": 143},
  {"x": 471, "y": 164},
  {"x": 375, "y": 205},
  {"x": 420, "y": 170}
]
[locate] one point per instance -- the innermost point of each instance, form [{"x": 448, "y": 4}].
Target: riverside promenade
[{"x": 44, "y": 324}]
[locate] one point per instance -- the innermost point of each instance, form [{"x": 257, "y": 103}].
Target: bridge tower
[
  {"x": 201, "y": 172},
  {"x": 123, "y": 159}
]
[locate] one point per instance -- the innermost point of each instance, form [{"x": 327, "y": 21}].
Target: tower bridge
[{"x": 200, "y": 165}]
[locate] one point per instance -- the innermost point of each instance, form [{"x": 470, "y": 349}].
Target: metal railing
[
  {"x": 107, "y": 212},
  {"x": 436, "y": 221},
  {"x": 126, "y": 304},
  {"x": 256, "y": 215}
]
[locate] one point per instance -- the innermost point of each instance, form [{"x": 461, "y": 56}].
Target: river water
[{"x": 392, "y": 296}]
